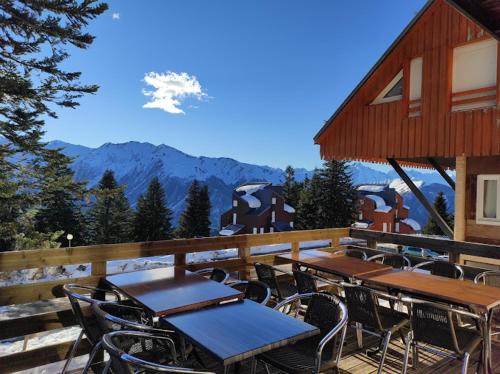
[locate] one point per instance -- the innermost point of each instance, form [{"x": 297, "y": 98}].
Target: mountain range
[{"x": 134, "y": 164}]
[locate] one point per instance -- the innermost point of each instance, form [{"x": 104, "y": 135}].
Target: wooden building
[
  {"x": 257, "y": 208},
  {"x": 433, "y": 101},
  {"x": 381, "y": 208}
]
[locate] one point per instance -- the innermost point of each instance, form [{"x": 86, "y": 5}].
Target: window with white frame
[
  {"x": 262, "y": 230},
  {"x": 235, "y": 203},
  {"x": 273, "y": 216},
  {"x": 392, "y": 92},
  {"x": 488, "y": 200},
  {"x": 234, "y": 218},
  {"x": 273, "y": 201},
  {"x": 255, "y": 230}
]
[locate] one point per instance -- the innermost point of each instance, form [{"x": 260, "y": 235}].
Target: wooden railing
[
  {"x": 40, "y": 316},
  {"x": 452, "y": 247}
]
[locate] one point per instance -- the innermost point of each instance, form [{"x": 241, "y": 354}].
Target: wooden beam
[
  {"x": 441, "y": 171},
  {"x": 460, "y": 197},
  {"x": 420, "y": 196}
]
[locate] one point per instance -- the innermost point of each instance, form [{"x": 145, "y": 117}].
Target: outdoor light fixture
[{"x": 70, "y": 238}]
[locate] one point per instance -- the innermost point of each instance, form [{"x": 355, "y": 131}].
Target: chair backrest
[
  {"x": 254, "y": 290},
  {"x": 356, "y": 253},
  {"x": 432, "y": 323},
  {"x": 216, "y": 274},
  {"x": 490, "y": 278},
  {"x": 127, "y": 350},
  {"x": 116, "y": 317},
  {"x": 447, "y": 269},
  {"x": 362, "y": 306},
  {"x": 396, "y": 261},
  {"x": 267, "y": 275},
  {"x": 325, "y": 312},
  {"x": 81, "y": 297},
  {"x": 305, "y": 282}
]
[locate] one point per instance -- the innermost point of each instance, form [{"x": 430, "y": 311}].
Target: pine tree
[
  {"x": 110, "y": 215},
  {"x": 34, "y": 38},
  {"x": 204, "y": 212},
  {"x": 188, "y": 221},
  {"x": 291, "y": 188},
  {"x": 152, "y": 220},
  {"x": 441, "y": 205},
  {"x": 59, "y": 198},
  {"x": 195, "y": 219},
  {"x": 337, "y": 196}
]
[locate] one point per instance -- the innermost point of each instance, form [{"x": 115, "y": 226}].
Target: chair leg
[
  {"x": 72, "y": 353},
  {"x": 465, "y": 358},
  {"x": 359, "y": 335},
  {"x": 266, "y": 367},
  {"x": 91, "y": 357},
  {"x": 106, "y": 368},
  {"x": 253, "y": 368},
  {"x": 415, "y": 356},
  {"x": 407, "y": 354},
  {"x": 387, "y": 339}
]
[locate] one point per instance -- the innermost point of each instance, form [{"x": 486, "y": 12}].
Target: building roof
[
  {"x": 412, "y": 223},
  {"x": 231, "y": 230},
  {"x": 477, "y": 10}
]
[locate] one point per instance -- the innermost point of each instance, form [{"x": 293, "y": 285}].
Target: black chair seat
[
  {"x": 287, "y": 289},
  {"x": 471, "y": 336},
  {"x": 392, "y": 319},
  {"x": 296, "y": 358}
]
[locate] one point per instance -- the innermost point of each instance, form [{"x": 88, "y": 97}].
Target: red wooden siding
[{"x": 375, "y": 132}]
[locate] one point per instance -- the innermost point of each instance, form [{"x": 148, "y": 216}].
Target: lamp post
[{"x": 70, "y": 238}]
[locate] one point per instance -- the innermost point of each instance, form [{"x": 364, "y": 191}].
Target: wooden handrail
[{"x": 452, "y": 247}]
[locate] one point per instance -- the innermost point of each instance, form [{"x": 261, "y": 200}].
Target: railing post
[
  {"x": 371, "y": 243},
  {"x": 99, "y": 269},
  {"x": 180, "y": 259},
  {"x": 295, "y": 247},
  {"x": 245, "y": 254},
  {"x": 335, "y": 242}
]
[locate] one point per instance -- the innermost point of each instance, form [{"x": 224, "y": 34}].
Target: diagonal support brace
[
  {"x": 420, "y": 196},
  {"x": 441, "y": 171}
]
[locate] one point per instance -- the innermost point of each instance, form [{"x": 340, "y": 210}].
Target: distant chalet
[
  {"x": 257, "y": 207},
  {"x": 381, "y": 208}
]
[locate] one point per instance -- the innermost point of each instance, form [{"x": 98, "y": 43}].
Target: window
[
  {"x": 262, "y": 230},
  {"x": 392, "y": 92},
  {"x": 255, "y": 230},
  {"x": 273, "y": 201},
  {"x": 415, "y": 103},
  {"x": 396, "y": 226},
  {"x": 384, "y": 227},
  {"x": 234, "y": 218},
  {"x": 291, "y": 224},
  {"x": 235, "y": 203},
  {"x": 474, "y": 75},
  {"x": 273, "y": 216},
  {"x": 488, "y": 200}
]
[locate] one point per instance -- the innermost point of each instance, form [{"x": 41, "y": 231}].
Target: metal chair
[
  {"x": 356, "y": 253},
  {"x": 133, "y": 352},
  {"x": 365, "y": 314},
  {"x": 215, "y": 274},
  {"x": 306, "y": 283},
  {"x": 433, "y": 324},
  {"x": 81, "y": 296},
  {"x": 395, "y": 260},
  {"x": 254, "y": 290},
  {"x": 442, "y": 268},
  {"x": 491, "y": 278},
  {"x": 115, "y": 317},
  {"x": 279, "y": 290},
  {"x": 318, "y": 353}
]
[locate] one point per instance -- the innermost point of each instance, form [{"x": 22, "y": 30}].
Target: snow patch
[
  {"x": 400, "y": 186},
  {"x": 288, "y": 208},
  {"x": 226, "y": 232},
  {"x": 252, "y": 201},
  {"x": 412, "y": 223},
  {"x": 361, "y": 225},
  {"x": 371, "y": 188},
  {"x": 379, "y": 202},
  {"x": 384, "y": 209}
]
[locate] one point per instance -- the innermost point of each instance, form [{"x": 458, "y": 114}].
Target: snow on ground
[{"x": 400, "y": 186}]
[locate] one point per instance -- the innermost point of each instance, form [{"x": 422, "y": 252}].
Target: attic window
[{"x": 392, "y": 92}]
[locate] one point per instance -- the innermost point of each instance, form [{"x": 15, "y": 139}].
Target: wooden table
[
  {"x": 345, "y": 266},
  {"x": 171, "y": 290},
  {"x": 235, "y": 331},
  {"x": 481, "y": 298}
]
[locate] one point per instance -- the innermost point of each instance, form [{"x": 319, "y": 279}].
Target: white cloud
[
  {"x": 170, "y": 89},
  {"x": 115, "y": 16}
]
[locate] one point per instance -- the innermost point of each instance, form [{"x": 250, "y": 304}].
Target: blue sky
[{"x": 261, "y": 78}]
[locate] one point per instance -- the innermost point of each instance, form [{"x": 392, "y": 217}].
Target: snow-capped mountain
[{"x": 134, "y": 164}]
